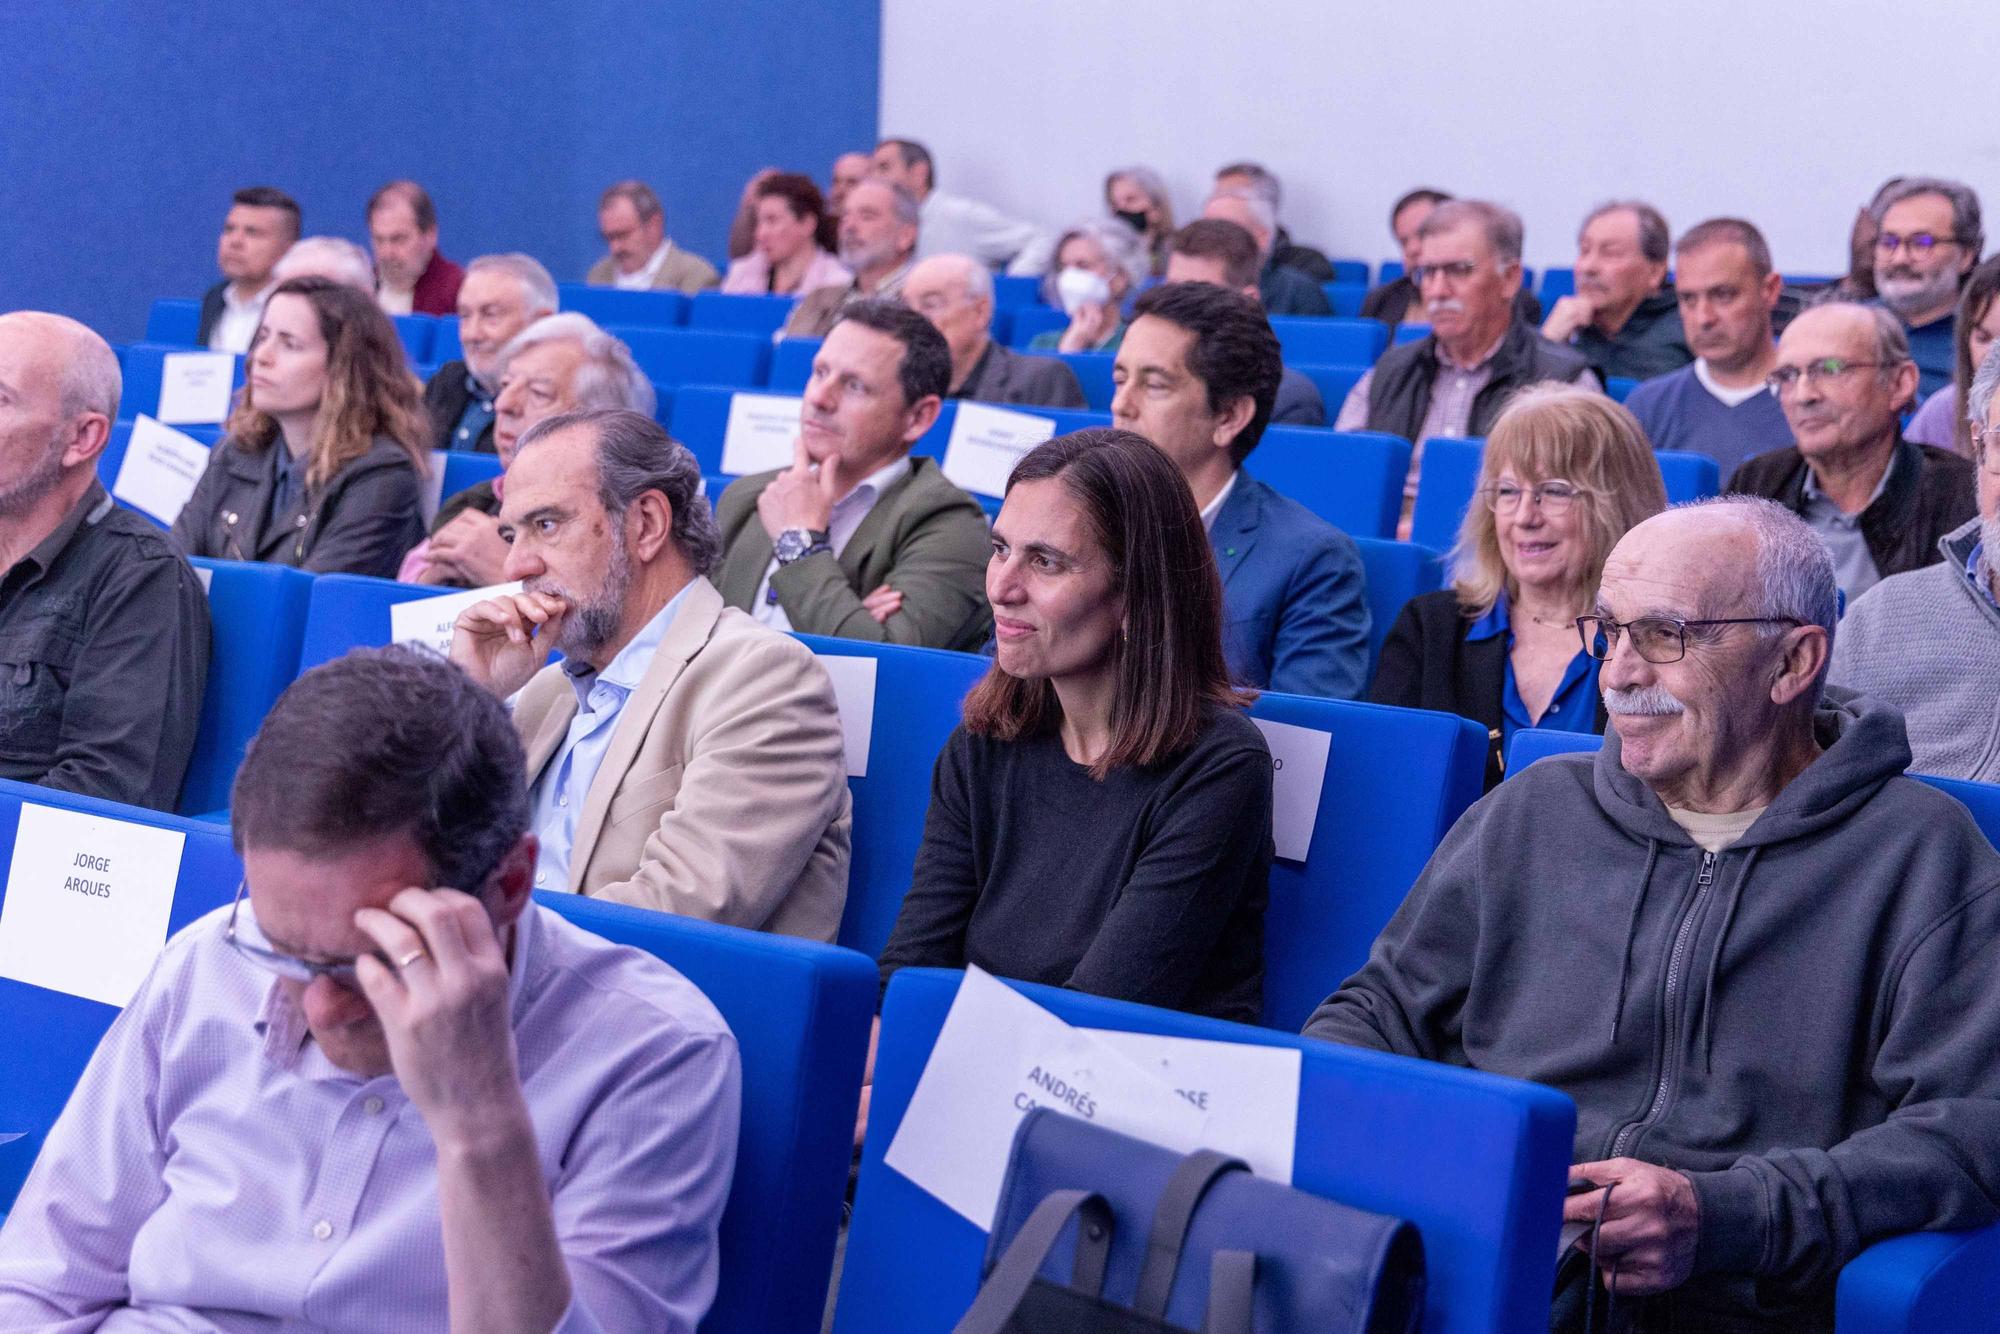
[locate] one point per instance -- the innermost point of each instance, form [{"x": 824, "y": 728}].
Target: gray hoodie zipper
[{"x": 1621, "y": 1143}]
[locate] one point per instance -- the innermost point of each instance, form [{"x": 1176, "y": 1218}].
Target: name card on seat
[
  {"x": 1298, "y": 762},
  {"x": 195, "y": 386},
  {"x": 160, "y": 469},
  {"x": 986, "y": 442},
  {"x": 760, "y": 433},
  {"x": 427, "y": 622},
  {"x": 854, "y": 691},
  {"x": 88, "y": 898}
]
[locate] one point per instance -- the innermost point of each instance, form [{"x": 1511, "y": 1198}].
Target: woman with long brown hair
[{"x": 322, "y": 467}]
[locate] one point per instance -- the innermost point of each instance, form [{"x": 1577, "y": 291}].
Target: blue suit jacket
[{"x": 1295, "y": 609}]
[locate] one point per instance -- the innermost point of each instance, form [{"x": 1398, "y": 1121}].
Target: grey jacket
[
  {"x": 1927, "y": 642},
  {"x": 1806, "y": 1024}
]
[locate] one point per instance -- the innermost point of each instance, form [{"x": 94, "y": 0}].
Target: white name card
[
  {"x": 160, "y": 469},
  {"x": 986, "y": 442},
  {"x": 1298, "y": 761},
  {"x": 427, "y": 622},
  {"x": 88, "y": 899},
  {"x": 1250, "y": 1093},
  {"x": 762, "y": 429},
  {"x": 194, "y": 387},
  {"x": 854, "y": 691},
  {"x": 997, "y": 1058}
]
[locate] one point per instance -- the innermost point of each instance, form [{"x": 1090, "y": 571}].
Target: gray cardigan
[{"x": 1927, "y": 642}]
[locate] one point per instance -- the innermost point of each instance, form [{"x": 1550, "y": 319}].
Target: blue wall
[{"x": 125, "y": 127}]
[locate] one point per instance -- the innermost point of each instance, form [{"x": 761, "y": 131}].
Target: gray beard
[
  {"x": 24, "y": 492},
  {"x": 1989, "y": 555},
  {"x": 1909, "y": 297}
]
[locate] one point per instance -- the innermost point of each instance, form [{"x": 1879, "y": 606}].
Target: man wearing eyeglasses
[
  {"x": 1879, "y": 502},
  {"x": 1928, "y": 239},
  {"x": 1759, "y": 958},
  {"x": 357, "y": 1099}
]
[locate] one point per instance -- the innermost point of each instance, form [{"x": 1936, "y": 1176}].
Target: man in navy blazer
[{"x": 1196, "y": 374}]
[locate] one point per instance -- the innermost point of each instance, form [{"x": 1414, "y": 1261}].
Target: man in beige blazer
[
  {"x": 683, "y": 757},
  {"x": 642, "y": 258}
]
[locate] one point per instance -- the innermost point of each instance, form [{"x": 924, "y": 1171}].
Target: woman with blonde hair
[
  {"x": 323, "y": 462},
  {"x": 1565, "y": 473}
]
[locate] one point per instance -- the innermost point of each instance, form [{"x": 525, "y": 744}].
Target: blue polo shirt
[{"x": 1574, "y": 707}]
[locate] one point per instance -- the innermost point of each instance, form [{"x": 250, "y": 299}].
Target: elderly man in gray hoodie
[{"x": 1764, "y": 963}]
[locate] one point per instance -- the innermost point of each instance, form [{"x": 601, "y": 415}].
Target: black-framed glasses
[
  {"x": 288, "y": 966},
  {"x": 1786, "y": 378},
  {"x": 1554, "y": 496},
  {"x": 1919, "y": 243},
  {"x": 1657, "y": 639}
]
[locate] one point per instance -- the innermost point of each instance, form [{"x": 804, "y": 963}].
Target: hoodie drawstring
[
  {"x": 1706, "y": 1023},
  {"x": 1631, "y": 927}
]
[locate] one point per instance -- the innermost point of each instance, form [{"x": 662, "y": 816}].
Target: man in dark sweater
[
  {"x": 955, "y": 293},
  {"x": 501, "y": 295},
  {"x": 1623, "y": 315},
  {"x": 1284, "y": 291},
  {"x": 1759, "y": 958},
  {"x": 1879, "y": 502}
]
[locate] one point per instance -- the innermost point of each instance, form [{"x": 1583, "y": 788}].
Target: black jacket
[
  {"x": 1650, "y": 343},
  {"x": 1002, "y": 375},
  {"x": 1929, "y": 493},
  {"x": 1286, "y": 291},
  {"x": 363, "y": 521},
  {"x": 211, "y": 311},
  {"x": 1427, "y": 663},
  {"x": 1393, "y": 301},
  {"x": 445, "y": 398},
  {"x": 1399, "y": 394}
]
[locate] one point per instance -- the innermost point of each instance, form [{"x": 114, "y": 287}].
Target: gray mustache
[{"x": 1644, "y": 701}]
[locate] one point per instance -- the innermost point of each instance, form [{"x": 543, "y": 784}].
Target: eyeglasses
[
  {"x": 1456, "y": 272},
  {"x": 1787, "y": 378},
  {"x": 1554, "y": 497},
  {"x": 1919, "y": 243},
  {"x": 1986, "y": 448},
  {"x": 286, "y": 966},
  {"x": 1657, "y": 639}
]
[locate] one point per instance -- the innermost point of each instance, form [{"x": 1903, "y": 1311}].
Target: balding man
[
  {"x": 1759, "y": 958},
  {"x": 1879, "y": 502},
  {"x": 102, "y": 621},
  {"x": 412, "y": 274},
  {"x": 955, "y": 293},
  {"x": 878, "y": 243},
  {"x": 1285, "y": 291},
  {"x": 1623, "y": 315},
  {"x": 501, "y": 295}
]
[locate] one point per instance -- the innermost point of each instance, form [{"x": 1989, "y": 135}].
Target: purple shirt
[{"x": 215, "y": 1172}]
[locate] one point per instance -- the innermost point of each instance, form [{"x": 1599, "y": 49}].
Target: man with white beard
[
  {"x": 1927, "y": 240},
  {"x": 1928, "y": 642},
  {"x": 1759, "y": 958}
]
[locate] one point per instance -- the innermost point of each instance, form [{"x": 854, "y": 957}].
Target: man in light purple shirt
[{"x": 357, "y": 1100}]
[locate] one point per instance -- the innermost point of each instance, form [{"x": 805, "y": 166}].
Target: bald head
[
  {"x": 1688, "y": 562},
  {"x": 59, "y": 388},
  {"x": 955, "y": 293},
  {"x": 80, "y": 368}
]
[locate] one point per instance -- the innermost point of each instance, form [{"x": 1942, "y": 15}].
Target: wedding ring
[{"x": 408, "y": 959}]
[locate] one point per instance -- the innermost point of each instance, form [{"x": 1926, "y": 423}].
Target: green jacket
[{"x": 924, "y": 537}]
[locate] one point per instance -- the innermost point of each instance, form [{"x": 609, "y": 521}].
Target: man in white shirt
[
  {"x": 262, "y": 222},
  {"x": 855, "y": 512},
  {"x": 955, "y": 225},
  {"x": 633, "y": 223}
]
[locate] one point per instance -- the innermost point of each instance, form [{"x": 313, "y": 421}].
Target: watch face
[{"x": 789, "y": 544}]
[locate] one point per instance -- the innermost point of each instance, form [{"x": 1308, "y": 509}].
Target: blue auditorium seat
[
  {"x": 1388, "y": 270},
  {"x": 1345, "y": 298},
  {"x": 800, "y": 1012},
  {"x": 792, "y": 364},
  {"x": 1093, "y": 372},
  {"x": 700, "y": 420},
  {"x": 464, "y": 468},
  {"x": 1476, "y": 1161},
  {"x": 1408, "y": 332},
  {"x": 1396, "y": 572},
  {"x": 1027, "y": 321},
  {"x": 614, "y": 305},
  {"x": 143, "y": 364},
  {"x": 757, "y": 314},
  {"x": 348, "y": 611},
  {"x": 1557, "y": 283},
  {"x": 1379, "y": 820},
  {"x": 1320, "y": 340},
  {"x": 675, "y": 357},
  {"x": 918, "y": 693},
  {"x": 1011, "y": 291},
  {"x": 174, "y": 321},
  {"x": 257, "y": 614},
  {"x": 1450, "y": 473},
  {"x": 445, "y": 345},
  {"x": 50, "y": 1035},
  {"x": 1536, "y": 743},
  {"x": 1620, "y": 387},
  {"x": 1351, "y": 271},
  {"x": 1333, "y": 382},
  {"x": 417, "y": 331},
  {"x": 1352, "y": 479}
]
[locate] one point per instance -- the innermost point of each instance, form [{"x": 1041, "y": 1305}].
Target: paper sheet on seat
[
  {"x": 986, "y": 442},
  {"x": 160, "y": 469},
  {"x": 428, "y": 621}
]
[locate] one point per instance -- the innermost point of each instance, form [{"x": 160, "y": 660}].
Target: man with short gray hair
[
  {"x": 683, "y": 757},
  {"x": 879, "y": 227},
  {"x": 1283, "y": 290},
  {"x": 642, "y": 258},
  {"x": 1927, "y": 642},
  {"x": 1624, "y": 927},
  {"x": 955, "y": 293},
  {"x": 1260, "y": 180},
  {"x": 105, "y": 624},
  {"x": 1623, "y": 316},
  {"x": 501, "y": 295},
  {"x": 1927, "y": 240},
  {"x": 334, "y": 258}
]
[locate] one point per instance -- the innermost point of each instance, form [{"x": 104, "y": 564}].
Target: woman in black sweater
[{"x": 1102, "y": 819}]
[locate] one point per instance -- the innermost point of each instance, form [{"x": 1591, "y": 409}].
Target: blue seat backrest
[
  {"x": 1410, "y": 333},
  {"x": 1334, "y": 382},
  {"x": 792, "y": 364},
  {"x": 1093, "y": 372},
  {"x": 1536, "y": 743},
  {"x": 1449, "y": 474},
  {"x": 754, "y": 313},
  {"x": 1389, "y": 270},
  {"x": 1476, "y": 1161},
  {"x": 1396, "y": 572},
  {"x": 918, "y": 694},
  {"x": 800, "y": 1012},
  {"x": 1320, "y": 340},
  {"x": 700, "y": 420},
  {"x": 1557, "y": 283},
  {"x": 1688, "y": 476},
  {"x": 1014, "y": 290},
  {"x": 614, "y": 305},
  {"x": 174, "y": 320},
  {"x": 445, "y": 344},
  {"x": 1351, "y": 271},
  {"x": 417, "y": 333},
  {"x": 120, "y": 439},
  {"x": 676, "y": 357},
  {"x": 348, "y": 611},
  {"x": 143, "y": 365},
  {"x": 466, "y": 467},
  {"x": 1620, "y": 387},
  {"x": 257, "y": 614},
  {"x": 1345, "y": 298},
  {"x": 1352, "y": 479},
  {"x": 50, "y": 1035},
  {"x": 1027, "y": 321},
  {"x": 1378, "y": 821}
]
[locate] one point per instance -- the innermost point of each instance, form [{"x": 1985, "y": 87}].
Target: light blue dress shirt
[{"x": 600, "y": 698}]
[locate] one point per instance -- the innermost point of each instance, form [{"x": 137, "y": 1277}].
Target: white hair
[
  {"x": 536, "y": 284},
  {"x": 1265, "y": 216},
  {"x": 1985, "y": 383},
  {"x": 1794, "y": 572},
  {"x": 608, "y": 378},
  {"x": 1121, "y": 245},
  {"x": 334, "y": 258}
]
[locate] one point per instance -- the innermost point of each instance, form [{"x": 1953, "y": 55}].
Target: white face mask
[{"x": 1077, "y": 288}]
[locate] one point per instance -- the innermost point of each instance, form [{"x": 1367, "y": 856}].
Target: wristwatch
[{"x": 798, "y": 543}]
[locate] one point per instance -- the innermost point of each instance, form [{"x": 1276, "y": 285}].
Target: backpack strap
[
  {"x": 1190, "y": 1181},
  {"x": 1000, "y": 1295}
]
